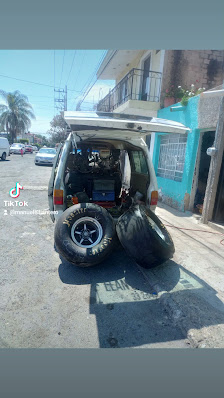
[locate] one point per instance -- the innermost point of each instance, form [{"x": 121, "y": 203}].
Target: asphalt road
[{"x": 47, "y": 302}]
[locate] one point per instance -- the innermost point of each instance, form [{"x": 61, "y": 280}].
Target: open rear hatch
[
  {"x": 119, "y": 126},
  {"x": 140, "y": 232}
]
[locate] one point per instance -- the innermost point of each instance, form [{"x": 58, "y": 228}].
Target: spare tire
[
  {"x": 144, "y": 237},
  {"x": 85, "y": 234}
]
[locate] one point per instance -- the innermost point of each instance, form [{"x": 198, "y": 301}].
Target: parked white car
[
  {"x": 35, "y": 149},
  {"x": 16, "y": 148},
  {"x": 45, "y": 156},
  {"x": 4, "y": 148},
  {"x": 103, "y": 185}
]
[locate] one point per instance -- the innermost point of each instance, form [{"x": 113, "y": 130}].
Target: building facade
[
  {"x": 142, "y": 81},
  {"x": 143, "y": 77},
  {"x": 174, "y": 157},
  {"x": 182, "y": 164}
]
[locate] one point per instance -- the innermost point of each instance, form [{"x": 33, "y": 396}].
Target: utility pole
[
  {"x": 61, "y": 99},
  {"x": 66, "y": 99},
  {"x": 215, "y": 166}
]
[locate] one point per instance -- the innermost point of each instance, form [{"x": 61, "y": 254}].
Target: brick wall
[{"x": 184, "y": 67}]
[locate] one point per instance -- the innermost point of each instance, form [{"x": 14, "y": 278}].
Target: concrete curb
[{"x": 217, "y": 227}]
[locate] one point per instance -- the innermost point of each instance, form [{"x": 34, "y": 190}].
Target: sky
[{"x": 55, "y": 68}]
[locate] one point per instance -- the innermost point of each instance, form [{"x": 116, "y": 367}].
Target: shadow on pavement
[
  {"x": 44, "y": 165},
  {"x": 129, "y": 312},
  {"x": 198, "y": 301}
]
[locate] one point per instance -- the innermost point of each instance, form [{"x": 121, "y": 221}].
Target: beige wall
[
  {"x": 208, "y": 112},
  {"x": 136, "y": 63},
  {"x": 139, "y": 108},
  {"x": 133, "y": 64}
]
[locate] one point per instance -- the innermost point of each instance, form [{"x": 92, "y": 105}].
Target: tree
[
  {"x": 16, "y": 114},
  {"x": 24, "y": 141},
  {"x": 44, "y": 140},
  {"x": 58, "y": 131}
]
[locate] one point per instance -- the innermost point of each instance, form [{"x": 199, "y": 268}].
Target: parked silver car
[
  {"x": 16, "y": 148},
  {"x": 45, "y": 156}
]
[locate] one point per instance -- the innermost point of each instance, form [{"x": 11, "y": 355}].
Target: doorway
[
  {"x": 146, "y": 79},
  {"x": 218, "y": 214},
  {"x": 207, "y": 141}
]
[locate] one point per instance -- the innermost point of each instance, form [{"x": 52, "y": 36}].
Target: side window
[
  {"x": 59, "y": 157},
  {"x": 125, "y": 168},
  {"x": 139, "y": 162}
]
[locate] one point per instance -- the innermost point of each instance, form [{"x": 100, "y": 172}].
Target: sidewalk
[{"x": 191, "y": 285}]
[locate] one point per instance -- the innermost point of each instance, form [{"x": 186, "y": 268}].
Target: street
[{"x": 47, "y": 302}]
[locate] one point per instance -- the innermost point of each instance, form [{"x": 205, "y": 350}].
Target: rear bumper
[{"x": 50, "y": 162}]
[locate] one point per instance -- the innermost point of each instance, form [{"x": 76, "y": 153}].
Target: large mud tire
[
  {"x": 85, "y": 234},
  {"x": 144, "y": 237}
]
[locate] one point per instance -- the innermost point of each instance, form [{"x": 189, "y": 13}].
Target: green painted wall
[{"x": 177, "y": 193}]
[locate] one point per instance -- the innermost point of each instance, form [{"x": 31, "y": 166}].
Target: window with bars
[{"x": 172, "y": 156}]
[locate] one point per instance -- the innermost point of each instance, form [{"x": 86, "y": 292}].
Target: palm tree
[{"x": 16, "y": 114}]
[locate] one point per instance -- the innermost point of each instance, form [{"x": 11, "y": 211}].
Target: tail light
[
  {"x": 58, "y": 196},
  {"x": 75, "y": 200},
  {"x": 154, "y": 198}
]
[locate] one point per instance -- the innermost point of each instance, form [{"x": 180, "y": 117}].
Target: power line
[
  {"x": 83, "y": 57},
  {"x": 85, "y": 94},
  {"x": 54, "y": 82},
  {"x": 94, "y": 72},
  {"x": 39, "y": 96},
  {"x": 86, "y": 85},
  {"x": 62, "y": 68},
  {"x": 71, "y": 67},
  {"x": 31, "y": 82},
  {"x": 45, "y": 101},
  {"x": 43, "y": 107},
  {"x": 77, "y": 76},
  {"x": 27, "y": 81},
  {"x": 89, "y": 82}
]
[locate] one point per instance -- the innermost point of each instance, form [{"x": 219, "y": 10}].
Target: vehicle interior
[{"x": 112, "y": 174}]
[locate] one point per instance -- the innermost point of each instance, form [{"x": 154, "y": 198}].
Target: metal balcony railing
[{"x": 138, "y": 84}]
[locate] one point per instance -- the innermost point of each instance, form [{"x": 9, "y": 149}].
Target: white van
[
  {"x": 103, "y": 183},
  {"x": 4, "y": 148}
]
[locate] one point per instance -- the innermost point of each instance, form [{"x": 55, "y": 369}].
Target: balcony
[{"x": 137, "y": 85}]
